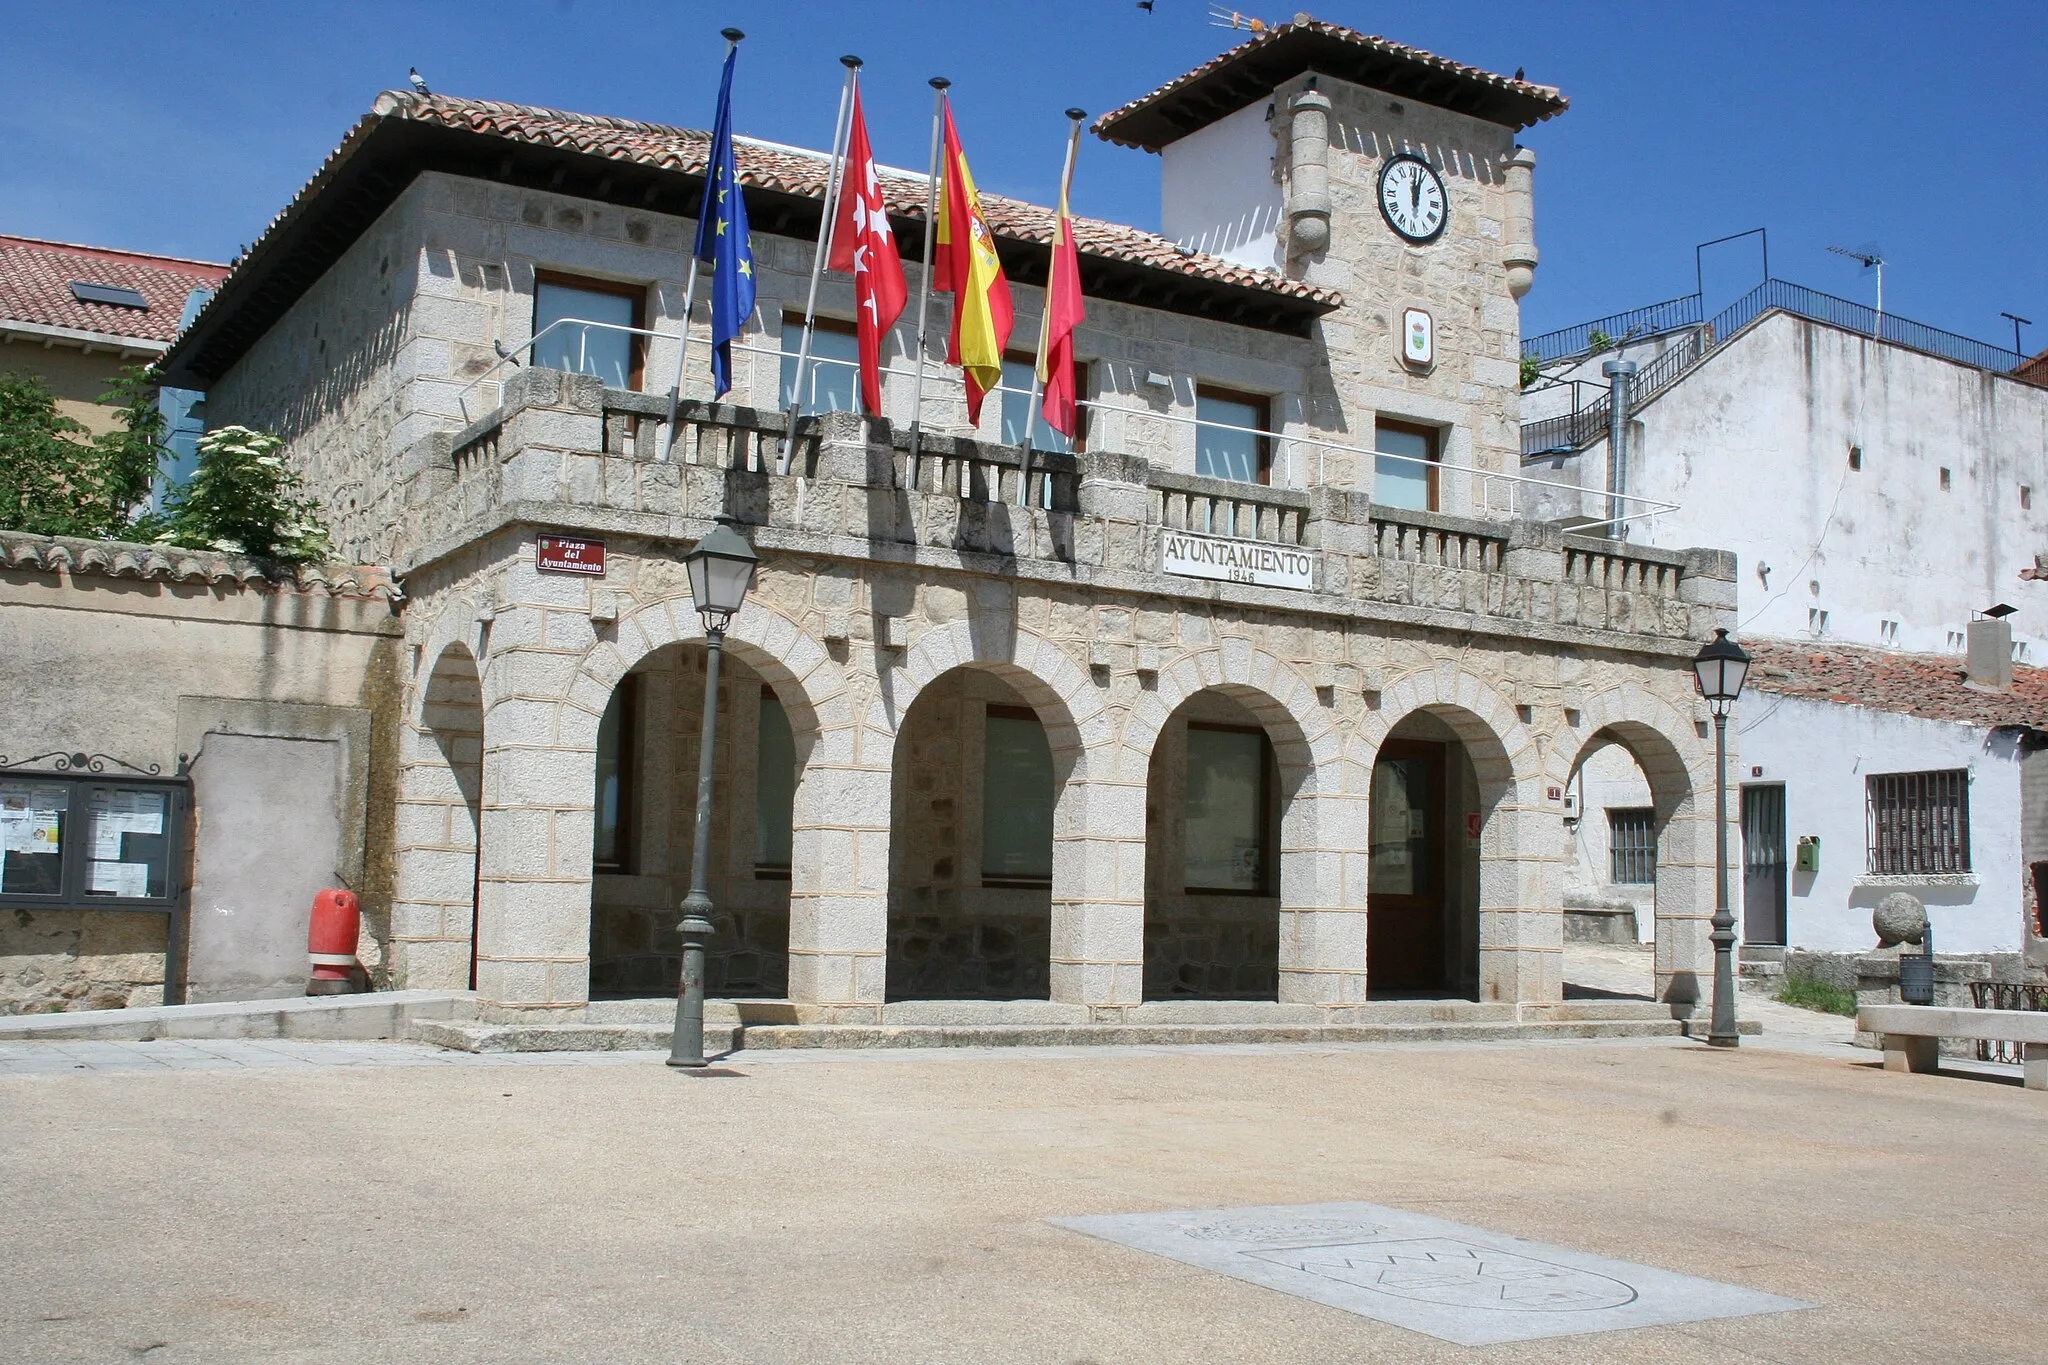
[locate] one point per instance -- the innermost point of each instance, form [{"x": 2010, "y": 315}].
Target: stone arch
[
  {"x": 440, "y": 812},
  {"x": 1321, "y": 957},
  {"x": 1520, "y": 880},
  {"x": 1679, "y": 769},
  {"x": 1090, "y": 912}
]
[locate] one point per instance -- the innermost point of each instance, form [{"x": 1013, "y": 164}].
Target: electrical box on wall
[{"x": 1806, "y": 858}]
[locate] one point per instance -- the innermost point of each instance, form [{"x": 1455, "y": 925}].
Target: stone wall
[{"x": 144, "y": 655}]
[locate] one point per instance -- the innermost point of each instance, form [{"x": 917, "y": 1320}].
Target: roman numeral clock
[{"x": 1412, "y": 199}]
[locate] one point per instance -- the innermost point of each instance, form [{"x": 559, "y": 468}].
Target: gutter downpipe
[{"x": 1620, "y": 380}]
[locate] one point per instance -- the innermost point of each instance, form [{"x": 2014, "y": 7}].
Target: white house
[{"x": 1877, "y": 480}]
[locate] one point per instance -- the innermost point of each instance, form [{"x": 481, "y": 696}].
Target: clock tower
[{"x": 1393, "y": 176}]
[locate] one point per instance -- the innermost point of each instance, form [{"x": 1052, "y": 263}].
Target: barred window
[
  {"x": 1918, "y": 823},
  {"x": 1632, "y": 845}
]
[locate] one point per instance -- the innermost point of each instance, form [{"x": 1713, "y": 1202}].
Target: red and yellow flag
[
  {"x": 964, "y": 264},
  {"x": 1064, "y": 312}
]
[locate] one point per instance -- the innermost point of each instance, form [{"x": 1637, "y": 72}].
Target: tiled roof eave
[{"x": 70, "y": 555}]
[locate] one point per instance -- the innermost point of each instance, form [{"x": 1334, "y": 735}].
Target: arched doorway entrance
[
  {"x": 645, "y": 815},
  {"x": 981, "y": 760}
]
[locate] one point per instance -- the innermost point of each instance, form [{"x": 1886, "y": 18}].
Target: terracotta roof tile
[
  {"x": 1926, "y": 685},
  {"x": 178, "y": 564},
  {"x": 1519, "y": 101},
  {"x": 796, "y": 171},
  {"x": 35, "y": 287}
]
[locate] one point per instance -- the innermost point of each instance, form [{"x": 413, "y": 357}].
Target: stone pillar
[
  {"x": 1098, "y": 894},
  {"x": 1521, "y": 898},
  {"x": 839, "y": 895},
  {"x": 1323, "y": 871},
  {"x": 440, "y": 756},
  {"x": 1684, "y": 955}
]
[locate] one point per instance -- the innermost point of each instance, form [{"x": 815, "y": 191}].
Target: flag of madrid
[{"x": 863, "y": 245}]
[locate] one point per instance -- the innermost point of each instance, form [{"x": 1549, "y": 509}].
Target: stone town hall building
[{"x": 983, "y": 744}]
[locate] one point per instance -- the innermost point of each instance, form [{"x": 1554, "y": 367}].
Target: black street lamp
[
  {"x": 1719, "y": 670},
  {"x": 721, "y": 570}
]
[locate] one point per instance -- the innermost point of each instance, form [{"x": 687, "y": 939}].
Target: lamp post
[
  {"x": 721, "y": 570},
  {"x": 1719, "y": 669}
]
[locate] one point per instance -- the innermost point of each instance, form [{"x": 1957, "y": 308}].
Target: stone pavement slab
[{"x": 1452, "y": 1281}]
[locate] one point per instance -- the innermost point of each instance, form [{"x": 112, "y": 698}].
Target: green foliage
[
  {"x": 129, "y": 455},
  {"x": 54, "y": 482},
  {"x": 1811, "y": 993},
  {"x": 1598, "y": 341},
  {"x": 44, "y": 485},
  {"x": 244, "y": 499},
  {"x": 1532, "y": 370}
]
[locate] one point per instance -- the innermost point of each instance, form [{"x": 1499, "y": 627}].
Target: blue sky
[{"x": 183, "y": 128}]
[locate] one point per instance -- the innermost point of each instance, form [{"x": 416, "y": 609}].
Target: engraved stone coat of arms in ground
[{"x": 1457, "y": 1283}]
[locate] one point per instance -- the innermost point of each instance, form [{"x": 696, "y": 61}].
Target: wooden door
[{"x": 1405, "y": 947}]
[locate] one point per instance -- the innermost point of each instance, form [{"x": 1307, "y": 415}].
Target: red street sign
[
  {"x": 1473, "y": 823},
  {"x": 567, "y": 554}
]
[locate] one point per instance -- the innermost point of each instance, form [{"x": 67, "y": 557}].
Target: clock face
[{"x": 1412, "y": 198}]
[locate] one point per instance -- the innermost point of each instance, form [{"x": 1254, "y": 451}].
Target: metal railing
[
  {"x": 2005, "y": 995},
  {"x": 1634, "y": 325},
  {"x": 1587, "y": 423},
  {"x": 1457, "y": 487}
]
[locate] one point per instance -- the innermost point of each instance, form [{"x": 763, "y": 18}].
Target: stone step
[
  {"x": 466, "y": 1036},
  {"x": 587, "y": 1037},
  {"x": 381, "y": 1014}
]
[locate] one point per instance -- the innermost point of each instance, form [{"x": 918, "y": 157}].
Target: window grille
[
  {"x": 1918, "y": 823},
  {"x": 1632, "y": 845}
]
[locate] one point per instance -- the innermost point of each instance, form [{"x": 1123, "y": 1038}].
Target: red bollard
[{"x": 331, "y": 943}]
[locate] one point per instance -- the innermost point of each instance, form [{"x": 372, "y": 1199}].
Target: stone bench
[{"x": 1912, "y": 1035}]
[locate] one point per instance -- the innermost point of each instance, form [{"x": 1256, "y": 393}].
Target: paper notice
[{"x": 118, "y": 879}]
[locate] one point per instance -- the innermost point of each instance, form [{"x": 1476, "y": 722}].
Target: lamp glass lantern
[
  {"x": 721, "y": 571},
  {"x": 1719, "y": 670}
]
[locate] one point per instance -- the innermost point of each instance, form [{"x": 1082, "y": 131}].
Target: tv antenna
[
  {"x": 1220, "y": 17},
  {"x": 1871, "y": 261}
]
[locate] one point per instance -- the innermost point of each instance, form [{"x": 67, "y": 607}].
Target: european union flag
[{"x": 722, "y": 239}]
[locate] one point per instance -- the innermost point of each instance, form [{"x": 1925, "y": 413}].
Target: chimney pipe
[
  {"x": 1988, "y": 661},
  {"x": 1621, "y": 376}
]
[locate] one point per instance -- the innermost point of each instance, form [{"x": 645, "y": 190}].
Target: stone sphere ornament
[{"x": 1899, "y": 918}]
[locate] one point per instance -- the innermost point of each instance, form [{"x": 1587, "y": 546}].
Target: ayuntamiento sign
[{"x": 1236, "y": 561}]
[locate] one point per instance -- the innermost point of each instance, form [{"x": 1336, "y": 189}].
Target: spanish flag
[{"x": 964, "y": 265}]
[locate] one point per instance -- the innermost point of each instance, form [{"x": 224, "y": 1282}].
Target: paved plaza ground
[{"x": 177, "y": 1202}]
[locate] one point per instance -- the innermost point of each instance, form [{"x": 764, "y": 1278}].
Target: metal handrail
[
  {"x": 1649, "y": 507},
  {"x": 1633, "y": 325}
]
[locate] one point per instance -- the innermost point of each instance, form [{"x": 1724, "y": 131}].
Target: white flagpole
[
  {"x": 1045, "y": 309},
  {"x": 732, "y": 38},
  {"x": 803, "y": 354},
  {"x": 924, "y": 293}
]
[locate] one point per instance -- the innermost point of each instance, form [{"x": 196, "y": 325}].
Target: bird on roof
[
  {"x": 419, "y": 82},
  {"x": 1518, "y": 74}
]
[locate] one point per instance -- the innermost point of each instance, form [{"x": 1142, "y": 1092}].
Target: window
[
  {"x": 1229, "y": 435},
  {"x": 1944, "y": 480},
  {"x": 1019, "y": 372},
  {"x": 774, "y": 789},
  {"x": 612, "y": 356},
  {"x": 2026, "y": 498},
  {"x": 1816, "y": 622},
  {"x": 832, "y": 377},
  {"x": 89, "y": 843},
  {"x": 615, "y": 749},
  {"x": 1632, "y": 845},
  {"x": 1855, "y": 457},
  {"x": 1918, "y": 823},
  {"x": 1016, "y": 799},
  {"x": 1888, "y": 631},
  {"x": 1227, "y": 831},
  {"x": 1404, "y": 472}
]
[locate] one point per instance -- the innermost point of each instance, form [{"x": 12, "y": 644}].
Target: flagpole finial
[
  {"x": 731, "y": 35},
  {"x": 1077, "y": 114},
  {"x": 851, "y": 63},
  {"x": 940, "y": 83}
]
